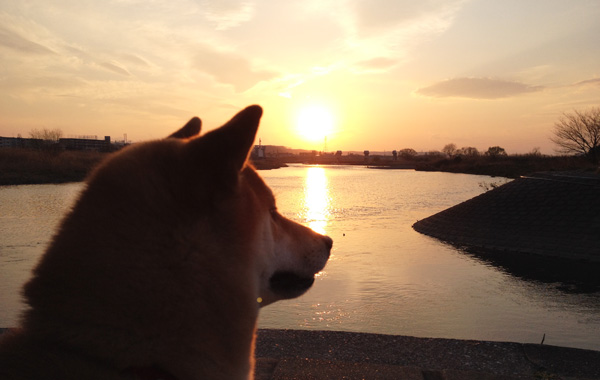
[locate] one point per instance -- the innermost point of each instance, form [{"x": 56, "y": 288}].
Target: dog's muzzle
[{"x": 290, "y": 284}]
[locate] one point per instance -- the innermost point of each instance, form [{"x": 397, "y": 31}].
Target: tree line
[
  {"x": 575, "y": 133},
  {"x": 578, "y": 133}
]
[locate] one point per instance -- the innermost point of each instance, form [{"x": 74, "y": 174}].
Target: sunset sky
[{"x": 377, "y": 74}]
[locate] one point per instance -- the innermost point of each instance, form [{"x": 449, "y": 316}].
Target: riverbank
[
  {"x": 550, "y": 214},
  {"x": 27, "y": 166},
  {"x": 512, "y": 166},
  {"x": 508, "y": 166}
]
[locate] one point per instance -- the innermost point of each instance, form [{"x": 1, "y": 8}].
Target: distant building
[
  {"x": 63, "y": 143},
  {"x": 258, "y": 151},
  {"x": 14, "y": 142},
  {"x": 85, "y": 144}
]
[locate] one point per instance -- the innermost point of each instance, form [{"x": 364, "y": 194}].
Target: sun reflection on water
[{"x": 316, "y": 199}]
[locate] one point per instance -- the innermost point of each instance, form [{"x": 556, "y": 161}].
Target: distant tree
[
  {"x": 46, "y": 139},
  {"x": 578, "y": 132},
  {"x": 535, "y": 152},
  {"x": 495, "y": 151},
  {"x": 449, "y": 149},
  {"x": 36, "y": 134},
  {"x": 50, "y": 135},
  {"x": 407, "y": 153},
  {"x": 468, "y": 151}
]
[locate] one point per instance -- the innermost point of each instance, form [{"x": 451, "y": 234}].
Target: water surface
[{"x": 383, "y": 277}]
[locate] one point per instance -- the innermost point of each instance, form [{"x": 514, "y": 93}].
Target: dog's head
[
  {"x": 285, "y": 255},
  {"x": 181, "y": 221}
]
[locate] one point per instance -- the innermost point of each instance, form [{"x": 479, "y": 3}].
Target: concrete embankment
[{"x": 548, "y": 214}]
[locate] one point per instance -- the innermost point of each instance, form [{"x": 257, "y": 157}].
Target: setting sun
[{"x": 315, "y": 123}]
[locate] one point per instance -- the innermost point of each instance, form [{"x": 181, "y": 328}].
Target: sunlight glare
[
  {"x": 314, "y": 123},
  {"x": 316, "y": 199}
]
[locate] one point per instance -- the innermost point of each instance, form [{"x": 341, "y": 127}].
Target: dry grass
[
  {"x": 25, "y": 166},
  {"x": 507, "y": 166}
]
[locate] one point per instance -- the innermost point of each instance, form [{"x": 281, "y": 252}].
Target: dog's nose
[{"x": 328, "y": 242}]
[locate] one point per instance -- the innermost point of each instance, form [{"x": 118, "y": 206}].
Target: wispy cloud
[
  {"x": 14, "y": 41},
  {"x": 374, "y": 16},
  {"x": 230, "y": 68},
  {"x": 378, "y": 35},
  {"x": 477, "y": 88},
  {"x": 395, "y": 26},
  {"x": 228, "y": 14},
  {"x": 114, "y": 68},
  {"x": 135, "y": 60},
  {"x": 589, "y": 82},
  {"x": 376, "y": 64}
]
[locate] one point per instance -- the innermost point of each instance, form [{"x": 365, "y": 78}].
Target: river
[{"x": 383, "y": 277}]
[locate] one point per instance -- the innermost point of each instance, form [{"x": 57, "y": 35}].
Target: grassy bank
[
  {"x": 506, "y": 166},
  {"x": 25, "y": 166}
]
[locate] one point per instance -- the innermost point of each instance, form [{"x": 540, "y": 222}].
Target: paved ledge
[
  {"x": 301, "y": 354},
  {"x": 547, "y": 214},
  {"x": 326, "y": 355}
]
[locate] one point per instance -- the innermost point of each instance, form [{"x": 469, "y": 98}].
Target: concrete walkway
[
  {"x": 333, "y": 355},
  {"x": 299, "y": 354}
]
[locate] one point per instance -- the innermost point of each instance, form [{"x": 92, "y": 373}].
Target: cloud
[
  {"x": 14, "y": 41},
  {"x": 135, "y": 60},
  {"x": 230, "y": 68},
  {"x": 392, "y": 29},
  {"x": 381, "y": 14},
  {"x": 589, "y": 82},
  {"x": 114, "y": 68},
  {"x": 377, "y": 64},
  {"x": 477, "y": 88},
  {"x": 228, "y": 14}
]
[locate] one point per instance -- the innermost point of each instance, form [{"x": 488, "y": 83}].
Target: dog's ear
[
  {"x": 191, "y": 129},
  {"x": 234, "y": 140},
  {"x": 240, "y": 133}
]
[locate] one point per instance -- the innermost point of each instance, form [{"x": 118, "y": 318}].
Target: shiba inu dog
[{"x": 162, "y": 265}]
